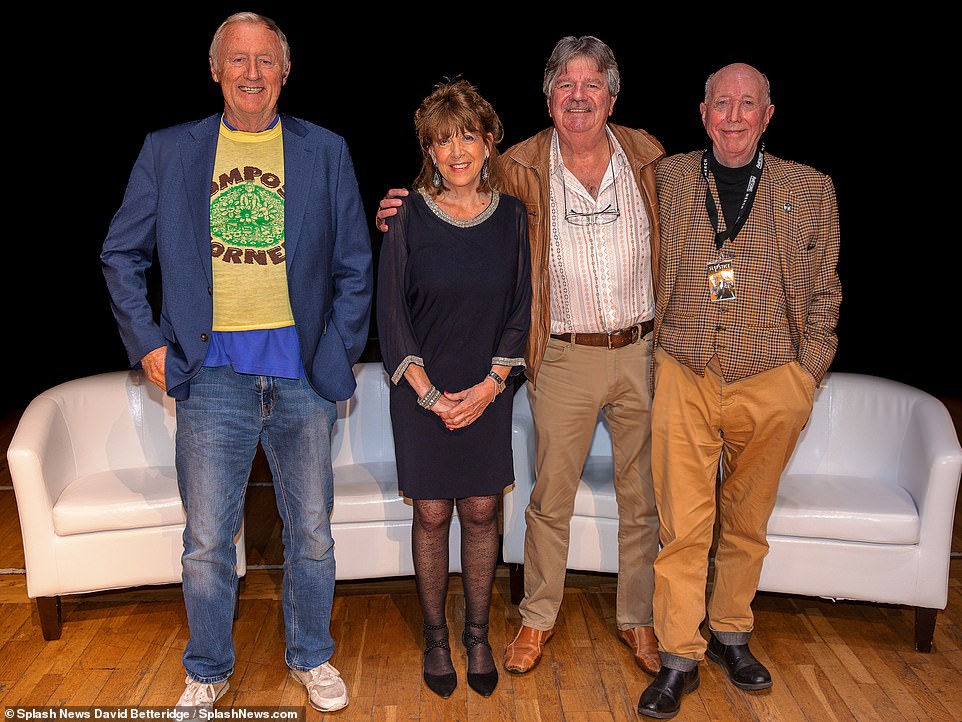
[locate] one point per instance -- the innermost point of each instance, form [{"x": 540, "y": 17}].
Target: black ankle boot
[
  {"x": 481, "y": 682},
  {"x": 662, "y": 698},
  {"x": 737, "y": 660},
  {"x": 441, "y": 684}
]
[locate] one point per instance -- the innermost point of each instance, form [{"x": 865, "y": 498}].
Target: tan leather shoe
[
  {"x": 524, "y": 653},
  {"x": 644, "y": 644}
]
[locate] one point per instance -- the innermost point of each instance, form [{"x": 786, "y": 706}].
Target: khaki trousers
[
  {"x": 752, "y": 425},
  {"x": 574, "y": 383}
]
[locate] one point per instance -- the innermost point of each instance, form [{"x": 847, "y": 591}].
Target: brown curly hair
[{"x": 454, "y": 107}]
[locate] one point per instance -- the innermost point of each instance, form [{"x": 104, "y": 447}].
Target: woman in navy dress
[{"x": 453, "y": 309}]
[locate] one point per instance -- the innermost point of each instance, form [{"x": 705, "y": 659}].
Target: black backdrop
[{"x": 847, "y": 99}]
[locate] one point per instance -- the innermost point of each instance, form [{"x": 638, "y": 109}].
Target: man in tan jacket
[{"x": 589, "y": 187}]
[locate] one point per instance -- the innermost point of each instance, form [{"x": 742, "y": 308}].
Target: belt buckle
[
  {"x": 633, "y": 336},
  {"x": 612, "y": 338},
  {"x": 635, "y": 333}
]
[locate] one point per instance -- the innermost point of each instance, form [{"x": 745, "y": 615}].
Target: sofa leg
[
  {"x": 924, "y": 628},
  {"x": 516, "y": 582},
  {"x": 51, "y": 617}
]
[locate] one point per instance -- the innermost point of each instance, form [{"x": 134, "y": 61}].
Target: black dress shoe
[
  {"x": 662, "y": 698},
  {"x": 743, "y": 669},
  {"x": 481, "y": 682},
  {"x": 444, "y": 684}
]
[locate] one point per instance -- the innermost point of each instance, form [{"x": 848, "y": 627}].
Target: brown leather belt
[{"x": 608, "y": 340}]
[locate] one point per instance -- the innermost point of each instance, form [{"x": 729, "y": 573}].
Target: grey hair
[
  {"x": 767, "y": 88},
  {"x": 587, "y": 46},
  {"x": 254, "y": 19}
]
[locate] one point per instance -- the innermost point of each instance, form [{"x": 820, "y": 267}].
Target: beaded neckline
[{"x": 478, "y": 219}]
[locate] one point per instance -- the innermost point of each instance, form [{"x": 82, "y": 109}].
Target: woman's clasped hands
[{"x": 458, "y": 409}]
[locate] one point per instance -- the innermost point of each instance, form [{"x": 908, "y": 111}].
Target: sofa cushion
[
  {"x": 119, "y": 499},
  {"x": 368, "y": 492},
  {"x": 817, "y": 506},
  {"x": 845, "y": 508}
]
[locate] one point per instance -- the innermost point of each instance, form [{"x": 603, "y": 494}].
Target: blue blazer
[{"x": 166, "y": 209}]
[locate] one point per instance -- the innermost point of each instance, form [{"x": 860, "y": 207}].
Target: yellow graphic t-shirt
[{"x": 247, "y": 232}]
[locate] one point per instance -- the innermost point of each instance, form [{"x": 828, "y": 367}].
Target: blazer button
[{"x": 204, "y": 337}]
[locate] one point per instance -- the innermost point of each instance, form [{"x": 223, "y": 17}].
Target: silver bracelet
[
  {"x": 493, "y": 375},
  {"x": 429, "y": 399}
]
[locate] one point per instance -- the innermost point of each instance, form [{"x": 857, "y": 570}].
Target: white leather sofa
[
  {"x": 92, "y": 464},
  {"x": 864, "y": 512},
  {"x": 865, "y": 509}
]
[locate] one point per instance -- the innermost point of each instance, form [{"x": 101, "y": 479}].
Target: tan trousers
[
  {"x": 752, "y": 425},
  {"x": 574, "y": 383}
]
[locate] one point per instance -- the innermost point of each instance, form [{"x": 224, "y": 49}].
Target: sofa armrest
[
  {"x": 41, "y": 461},
  {"x": 930, "y": 462},
  {"x": 929, "y": 468},
  {"x": 40, "y": 456}
]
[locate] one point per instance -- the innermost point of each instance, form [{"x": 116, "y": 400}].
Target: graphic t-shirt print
[{"x": 247, "y": 232}]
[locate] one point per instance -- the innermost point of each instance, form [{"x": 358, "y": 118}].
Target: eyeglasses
[{"x": 606, "y": 215}]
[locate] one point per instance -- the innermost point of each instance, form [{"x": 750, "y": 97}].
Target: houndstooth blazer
[{"x": 795, "y": 219}]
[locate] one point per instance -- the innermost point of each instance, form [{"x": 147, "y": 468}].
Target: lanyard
[{"x": 746, "y": 206}]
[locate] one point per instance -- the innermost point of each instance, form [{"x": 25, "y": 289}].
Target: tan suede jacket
[{"x": 526, "y": 177}]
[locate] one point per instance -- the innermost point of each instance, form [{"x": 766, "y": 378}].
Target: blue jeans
[{"x": 218, "y": 429}]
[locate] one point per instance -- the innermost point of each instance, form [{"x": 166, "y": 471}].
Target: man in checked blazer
[
  {"x": 256, "y": 220},
  {"x": 735, "y": 374}
]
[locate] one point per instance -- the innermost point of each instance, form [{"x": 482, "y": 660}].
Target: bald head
[
  {"x": 745, "y": 70},
  {"x": 736, "y": 112}
]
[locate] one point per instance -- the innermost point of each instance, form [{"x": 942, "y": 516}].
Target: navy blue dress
[{"x": 454, "y": 296}]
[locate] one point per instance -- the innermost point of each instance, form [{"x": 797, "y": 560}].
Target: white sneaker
[
  {"x": 198, "y": 696},
  {"x": 325, "y": 688}
]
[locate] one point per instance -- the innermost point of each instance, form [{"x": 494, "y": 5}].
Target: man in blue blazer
[{"x": 256, "y": 221}]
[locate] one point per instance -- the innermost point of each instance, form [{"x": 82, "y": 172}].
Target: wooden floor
[{"x": 830, "y": 661}]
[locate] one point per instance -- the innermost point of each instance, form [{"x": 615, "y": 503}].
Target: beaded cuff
[
  {"x": 430, "y": 398},
  {"x": 403, "y": 366}
]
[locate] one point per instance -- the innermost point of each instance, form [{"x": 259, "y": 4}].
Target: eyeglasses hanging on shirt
[{"x": 608, "y": 214}]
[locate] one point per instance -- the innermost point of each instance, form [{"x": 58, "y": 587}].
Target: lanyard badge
[
  {"x": 721, "y": 280},
  {"x": 721, "y": 273}
]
